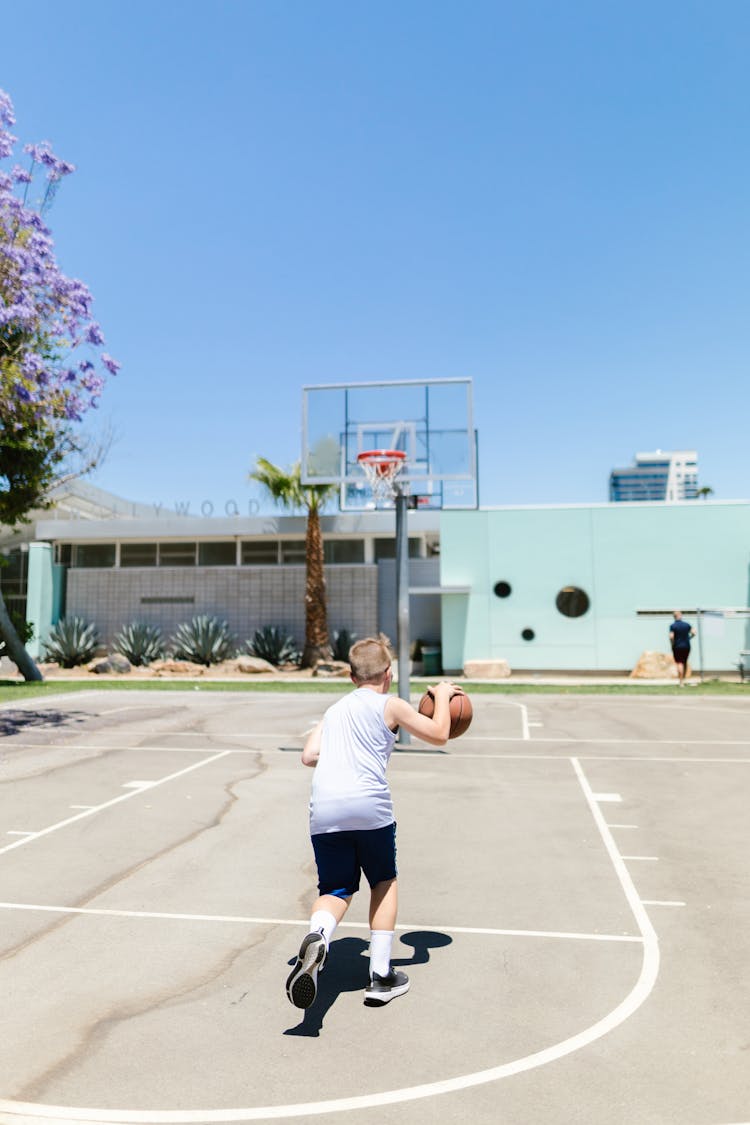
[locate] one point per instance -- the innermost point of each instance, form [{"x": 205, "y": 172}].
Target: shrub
[
  {"x": 71, "y": 642},
  {"x": 342, "y": 642},
  {"x": 274, "y": 645},
  {"x": 140, "y": 643},
  {"x": 204, "y": 640}
]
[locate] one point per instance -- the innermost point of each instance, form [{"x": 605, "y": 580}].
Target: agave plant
[
  {"x": 342, "y": 642},
  {"x": 271, "y": 643},
  {"x": 204, "y": 640},
  {"x": 140, "y": 643},
  {"x": 71, "y": 642}
]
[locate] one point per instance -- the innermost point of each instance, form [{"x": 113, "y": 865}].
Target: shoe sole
[
  {"x": 302, "y": 985},
  {"x": 378, "y": 999}
]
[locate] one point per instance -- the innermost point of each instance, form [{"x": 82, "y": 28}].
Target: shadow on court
[
  {"x": 346, "y": 971},
  {"x": 17, "y": 722}
]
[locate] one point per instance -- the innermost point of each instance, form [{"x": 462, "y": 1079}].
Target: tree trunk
[
  {"x": 317, "y": 644},
  {"x": 14, "y": 649}
]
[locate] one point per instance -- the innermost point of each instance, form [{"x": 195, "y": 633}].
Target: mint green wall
[
  {"x": 626, "y": 557},
  {"x": 40, "y": 597}
]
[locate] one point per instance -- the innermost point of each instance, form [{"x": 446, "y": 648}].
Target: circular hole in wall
[
  {"x": 502, "y": 589},
  {"x": 528, "y": 634},
  {"x": 572, "y": 601}
]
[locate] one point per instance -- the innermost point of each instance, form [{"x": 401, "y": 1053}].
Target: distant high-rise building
[{"x": 657, "y": 476}]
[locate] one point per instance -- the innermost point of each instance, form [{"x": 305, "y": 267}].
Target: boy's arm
[
  {"x": 311, "y": 749},
  {"x": 435, "y": 730}
]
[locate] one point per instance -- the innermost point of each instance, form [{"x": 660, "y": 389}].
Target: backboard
[{"x": 429, "y": 420}]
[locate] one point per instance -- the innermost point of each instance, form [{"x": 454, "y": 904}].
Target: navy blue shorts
[
  {"x": 343, "y": 856},
  {"x": 681, "y": 655}
]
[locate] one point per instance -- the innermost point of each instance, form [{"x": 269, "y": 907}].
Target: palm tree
[
  {"x": 705, "y": 492},
  {"x": 287, "y": 490}
]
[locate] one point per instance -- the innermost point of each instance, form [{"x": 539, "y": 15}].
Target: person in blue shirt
[{"x": 679, "y": 638}]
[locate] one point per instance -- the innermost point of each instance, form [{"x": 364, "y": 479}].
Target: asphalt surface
[{"x": 574, "y": 916}]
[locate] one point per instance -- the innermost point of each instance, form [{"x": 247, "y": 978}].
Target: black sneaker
[
  {"x": 302, "y": 983},
  {"x": 383, "y": 989}
]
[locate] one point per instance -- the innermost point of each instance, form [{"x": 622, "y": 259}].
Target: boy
[{"x": 351, "y": 816}]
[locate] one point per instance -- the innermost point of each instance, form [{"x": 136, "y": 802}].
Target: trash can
[{"x": 431, "y": 660}]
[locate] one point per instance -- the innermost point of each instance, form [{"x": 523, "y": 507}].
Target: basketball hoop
[{"x": 381, "y": 467}]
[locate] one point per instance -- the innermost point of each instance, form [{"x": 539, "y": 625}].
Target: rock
[
  {"x": 251, "y": 665},
  {"x": 655, "y": 666},
  {"x": 101, "y": 667},
  {"x": 486, "y": 669},
  {"x": 179, "y": 667},
  {"x": 332, "y": 669},
  {"x": 118, "y": 663}
]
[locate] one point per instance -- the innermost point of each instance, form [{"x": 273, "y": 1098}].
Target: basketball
[{"x": 461, "y": 709}]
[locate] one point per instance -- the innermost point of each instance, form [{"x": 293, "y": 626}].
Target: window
[
  {"x": 344, "y": 551},
  {"x": 293, "y": 551},
  {"x": 63, "y": 554},
  {"x": 93, "y": 554},
  {"x": 177, "y": 554},
  {"x": 386, "y": 549},
  {"x": 502, "y": 589},
  {"x": 262, "y": 553},
  {"x": 572, "y": 601},
  {"x": 138, "y": 554},
  {"x": 217, "y": 554}
]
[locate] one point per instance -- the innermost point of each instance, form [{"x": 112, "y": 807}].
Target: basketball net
[{"x": 381, "y": 467}]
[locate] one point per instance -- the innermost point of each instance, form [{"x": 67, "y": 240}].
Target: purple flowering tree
[{"x": 52, "y": 368}]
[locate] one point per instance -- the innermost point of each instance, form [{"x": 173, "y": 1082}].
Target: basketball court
[{"x": 574, "y": 911}]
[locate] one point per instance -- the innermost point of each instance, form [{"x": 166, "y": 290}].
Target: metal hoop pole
[{"x": 402, "y": 602}]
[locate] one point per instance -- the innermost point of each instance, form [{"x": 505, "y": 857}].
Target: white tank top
[{"x": 349, "y": 789}]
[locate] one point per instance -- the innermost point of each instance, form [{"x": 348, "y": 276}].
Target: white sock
[
  {"x": 381, "y": 942},
  {"x": 324, "y": 921}
]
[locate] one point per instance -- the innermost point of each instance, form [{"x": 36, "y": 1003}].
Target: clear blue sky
[{"x": 551, "y": 198}]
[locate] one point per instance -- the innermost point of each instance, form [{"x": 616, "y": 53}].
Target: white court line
[
  {"x": 455, "y": 750},
  {"x": 630, "y": 1004},
  {"x": 458, "y": 754},
  {"x": 645, "y": 858},
  {"x": 565, "y": 741},
  {"x": 482, "y": 931},
  {"x": 128, "y": 747},
  {"x": 524, "y": 721},
  {"x": 662, "y": 902},
  {"x": 108, "y": 804}
]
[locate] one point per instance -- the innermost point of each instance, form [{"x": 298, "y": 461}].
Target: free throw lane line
[{"x": 115, "y": 801}]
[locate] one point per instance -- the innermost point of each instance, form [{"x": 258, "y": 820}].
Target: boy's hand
[{"x": 311, "y": 749}]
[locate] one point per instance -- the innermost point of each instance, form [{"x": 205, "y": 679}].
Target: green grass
[{"x": 13, "y": 691}]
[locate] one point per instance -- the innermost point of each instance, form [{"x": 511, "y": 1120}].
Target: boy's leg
[
  {"x": 383, "y": 910},
  {"x": 385, "y": 982},
  {"x": 384, "y": 905},
  {"x": 327, "y": 912},
  {"x": 338, "y": 879}
]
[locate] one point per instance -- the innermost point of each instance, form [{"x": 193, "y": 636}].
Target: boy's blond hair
[{"x": 369, "y": 660}]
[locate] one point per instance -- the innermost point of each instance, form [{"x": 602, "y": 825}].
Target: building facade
[
  {"x": 670, "y": 477},
  {"x": 591, "y": 587},
  {"x": 565, "y": 588},
  {"x": 98, "y": 557}
]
